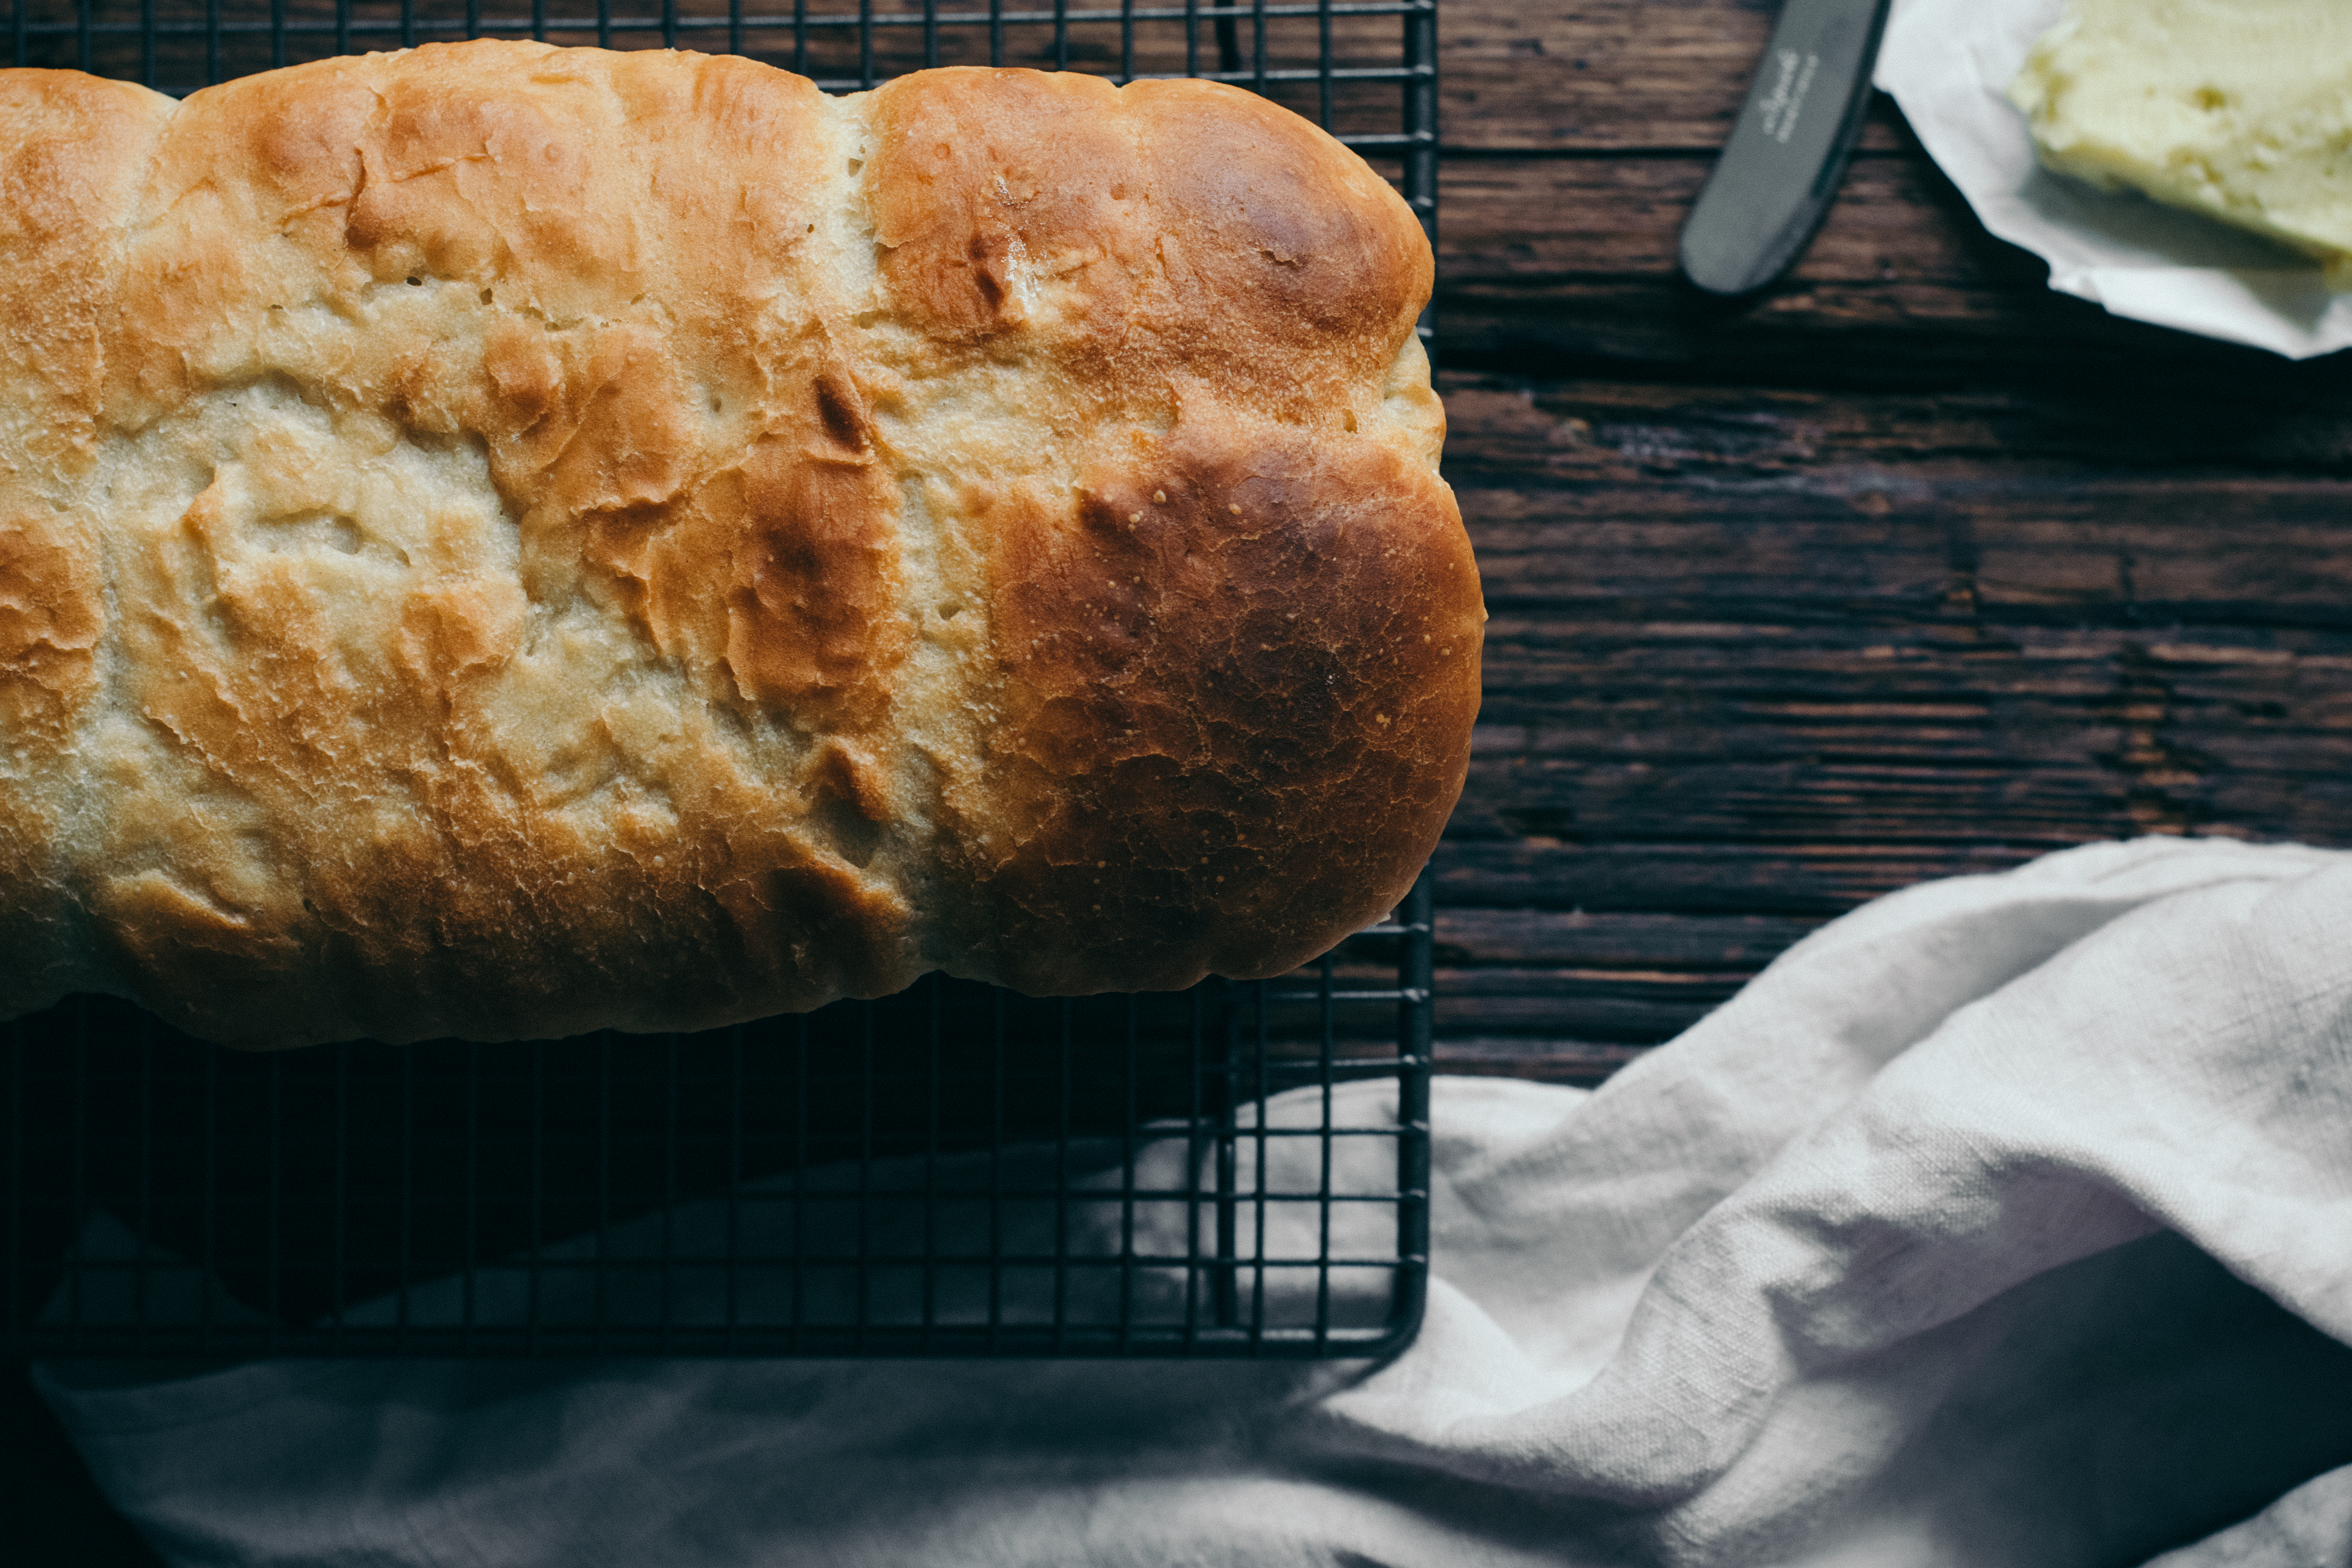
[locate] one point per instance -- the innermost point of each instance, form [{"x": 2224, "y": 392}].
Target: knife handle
[{"x": 1780, "y": 170}]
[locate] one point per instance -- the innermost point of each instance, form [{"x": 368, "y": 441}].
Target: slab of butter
[{"x": 2240, "y": 109}]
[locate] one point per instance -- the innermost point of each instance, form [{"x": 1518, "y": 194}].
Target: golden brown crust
[
  {"x": 1239, "y": 680},
  {"x": 624, "y": 540}
]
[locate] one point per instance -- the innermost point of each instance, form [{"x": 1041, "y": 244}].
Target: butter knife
[{"x": 1780, "y": 169}]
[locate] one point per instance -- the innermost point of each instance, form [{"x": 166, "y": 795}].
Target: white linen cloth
[
  {"x": 1950, "y": 63},
  {"x": 2006, "y": 1221}
]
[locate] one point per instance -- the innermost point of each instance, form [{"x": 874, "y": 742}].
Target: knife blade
[{"x": 1780, "y": 170}]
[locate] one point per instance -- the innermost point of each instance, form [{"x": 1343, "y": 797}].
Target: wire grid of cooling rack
[
  {"x": 1239, "y": 1170},
  {"x": 1363, "y": 70}
]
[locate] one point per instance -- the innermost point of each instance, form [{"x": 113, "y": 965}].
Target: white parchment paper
[{"x": 1948, "y": 63}]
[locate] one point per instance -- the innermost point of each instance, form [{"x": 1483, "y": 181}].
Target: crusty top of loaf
[{"x": 502, "y": 541}]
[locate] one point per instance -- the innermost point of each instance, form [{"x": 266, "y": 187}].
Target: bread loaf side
[{"x": 500, "y": 541}]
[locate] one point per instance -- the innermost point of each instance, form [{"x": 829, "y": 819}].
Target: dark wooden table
[{"x": 1908, "y": 568}]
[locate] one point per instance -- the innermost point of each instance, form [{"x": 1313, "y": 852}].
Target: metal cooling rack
[
  {"x": 1364, "y": 69},
  {"x": 1237, "y": 1170},
  {"x": 1241, "y": 1168}
]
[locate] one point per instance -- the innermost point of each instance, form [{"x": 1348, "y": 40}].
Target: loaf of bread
[{"x": 500, "y": 541}]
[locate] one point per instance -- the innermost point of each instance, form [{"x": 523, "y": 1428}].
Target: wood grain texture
[{"x": 1903, "y": 568}]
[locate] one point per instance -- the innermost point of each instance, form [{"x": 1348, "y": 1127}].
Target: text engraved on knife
[{"x": 1787, "y": 100}]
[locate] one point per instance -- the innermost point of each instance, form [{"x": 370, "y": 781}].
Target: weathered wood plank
[
  {"x": 2128, "y": 551},
  {"x": 1696, "y": 504},
  {"x": 1522, "y": 217},
  {"x": 2042, "y": 737},
  {"x": 1521, "y": 985},
  {"x": 1475, "y": 1003},
  {"x": 1603, "y": 74},
  {"x": 1584, "y": 1063},
  {"x": 1902, "y": 335},
  {"x": 1521, "y": 427},
  {"x": 1581, "y": 76},
  {"x": 1771, "y": 878},
  {"x": 1627, "y": 1004},
  {"x": 1624, "y": 941}
]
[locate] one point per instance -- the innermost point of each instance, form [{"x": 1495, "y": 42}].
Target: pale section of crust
[
  {"x": 626, "y": 540},
  {"x": 74, "y": 153},
  {"x": 2237, "y": 109}
]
